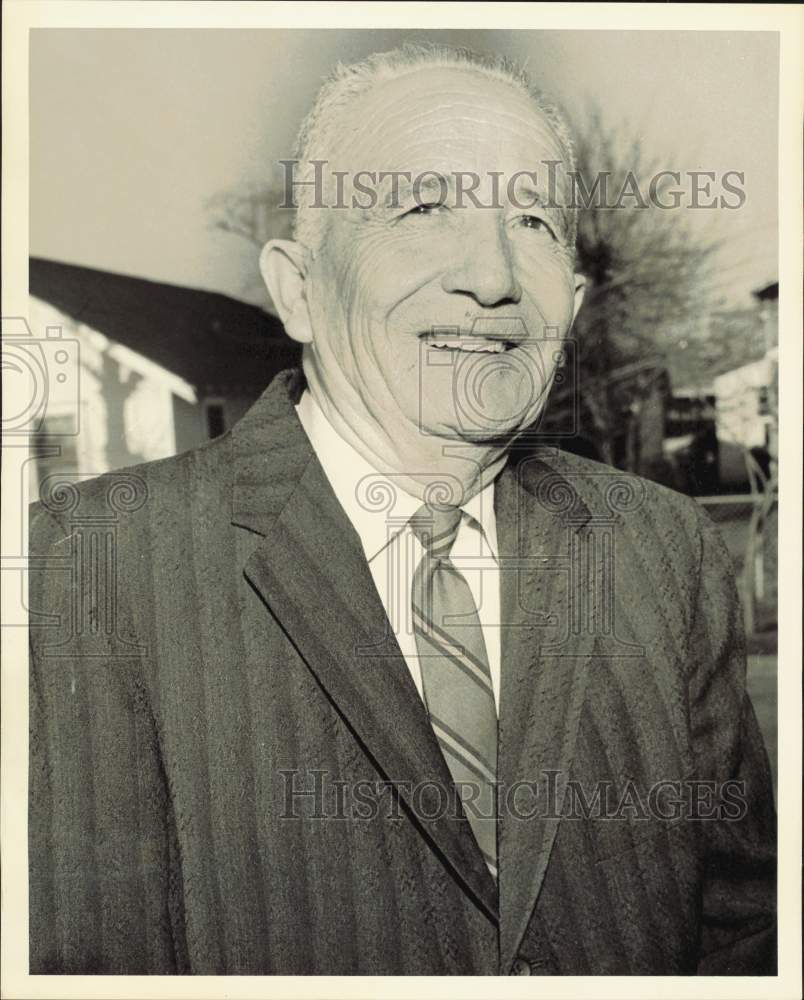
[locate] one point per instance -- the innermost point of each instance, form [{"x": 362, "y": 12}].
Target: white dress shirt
[{"x": 379, "y": 511}]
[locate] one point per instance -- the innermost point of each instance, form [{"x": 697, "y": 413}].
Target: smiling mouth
[{"x": 471, "y": 345}]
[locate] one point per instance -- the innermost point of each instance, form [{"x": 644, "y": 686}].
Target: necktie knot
[{"x": 436, "y": 527}]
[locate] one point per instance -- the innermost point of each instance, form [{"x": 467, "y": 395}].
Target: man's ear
[
  {"x": 580, "y": 288},
  {"x": 284, "y": 270}
]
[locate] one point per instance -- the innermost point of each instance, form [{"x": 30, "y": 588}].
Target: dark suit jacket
[{"x": 208, "y": 645}]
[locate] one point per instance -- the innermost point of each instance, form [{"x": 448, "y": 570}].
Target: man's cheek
[
  {"x": 372, "y": 275},
  {"x": 405, "y": 263},
  {"x": 553, "y": 292}
]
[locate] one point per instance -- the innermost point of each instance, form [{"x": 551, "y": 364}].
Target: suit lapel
[
  {"x": 310, "y": 570},
  {"x": 544, "y": 668}
]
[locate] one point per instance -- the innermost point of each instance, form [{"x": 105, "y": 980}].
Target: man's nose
[{"x": 485, "y": 267}]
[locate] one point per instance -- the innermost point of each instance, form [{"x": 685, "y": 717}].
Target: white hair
[{"x": 346, "y": 83}]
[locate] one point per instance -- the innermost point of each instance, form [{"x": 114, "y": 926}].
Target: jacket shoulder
[
  {"x": 164, "y": 486},
  {"x": 603, "y": 487},
  {"x": 647, "y": 520}
]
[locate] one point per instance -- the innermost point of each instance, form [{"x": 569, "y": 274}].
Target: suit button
[{"x": 521, "y": 967}]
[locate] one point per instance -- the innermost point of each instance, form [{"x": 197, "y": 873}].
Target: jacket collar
[{"x": 270, "y": 452}]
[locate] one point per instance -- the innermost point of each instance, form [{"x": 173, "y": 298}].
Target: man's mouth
[{"x": 473, "y": 345}]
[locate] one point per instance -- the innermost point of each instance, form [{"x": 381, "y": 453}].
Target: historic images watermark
[
  {"x": 550, "y": 185},
  {"x": 41, "y": 376},
  {"x": 489, "y": 352},
  {"x": 41, "y": 370},
  {"x": 44, "y": 376},
  {"x": 315, "y": 794}
]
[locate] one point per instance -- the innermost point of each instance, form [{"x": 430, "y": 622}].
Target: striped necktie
[{"x": 455, "y": 673}]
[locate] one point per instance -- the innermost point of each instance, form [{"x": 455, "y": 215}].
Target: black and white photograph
[{"x": 398, "y": 445}]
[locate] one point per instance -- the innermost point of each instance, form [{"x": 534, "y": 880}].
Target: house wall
[
  {"x": 191, "y": 422},
  {"x": 737, "y": 406},
  {"x": 108, "y": 408}
]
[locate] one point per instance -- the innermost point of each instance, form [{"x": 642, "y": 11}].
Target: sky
[{"x": 132, "y": 131}]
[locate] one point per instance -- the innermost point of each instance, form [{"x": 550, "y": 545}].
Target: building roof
[
  {"x": 768, "y": 293},
  {"x": 214, "y": 342}
]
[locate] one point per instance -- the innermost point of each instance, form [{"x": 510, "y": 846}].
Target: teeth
[{"x": 476, "y": 346}]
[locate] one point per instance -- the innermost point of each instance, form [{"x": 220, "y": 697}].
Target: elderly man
[{"x": 387, "y": 688}]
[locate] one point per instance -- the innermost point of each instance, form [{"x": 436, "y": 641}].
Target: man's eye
[
  {"x": 534, "y": 222},
  {"x": 427, "y": 208}
]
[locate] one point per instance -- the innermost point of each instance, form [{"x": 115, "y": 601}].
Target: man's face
[{"x": 432, "y": 313}]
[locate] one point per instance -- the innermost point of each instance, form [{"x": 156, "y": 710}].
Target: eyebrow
[
  {"x": 403, "y": 189},
  {"x": 527, "y": 188}
]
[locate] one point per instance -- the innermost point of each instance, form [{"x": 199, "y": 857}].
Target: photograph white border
[{"x": 19, "y": 17}]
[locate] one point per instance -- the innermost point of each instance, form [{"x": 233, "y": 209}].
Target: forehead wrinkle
[
  {"x": 468, "y": 150},
  {"x": 523, "y": 117},
  {"x": 520, "y": 123},
  {"x": 449, "y": 105},
  {"x": 518, "y": 126},
  {"x": 472, "y": 95},
  {"x": 422, "y": 162},
  {"x": 476, "y": 143}
]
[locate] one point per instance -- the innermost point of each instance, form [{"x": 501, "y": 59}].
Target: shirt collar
[{"x": 356, "y": 484}]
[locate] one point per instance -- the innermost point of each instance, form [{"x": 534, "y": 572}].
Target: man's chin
[
  {"x": 492, "y": 433},
  {"x": 495, "y": 409}
]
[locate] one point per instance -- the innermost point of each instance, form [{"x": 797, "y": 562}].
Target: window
[
  {"x": 216, "y": 419},
  {"x": 55, "y": 450}
]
